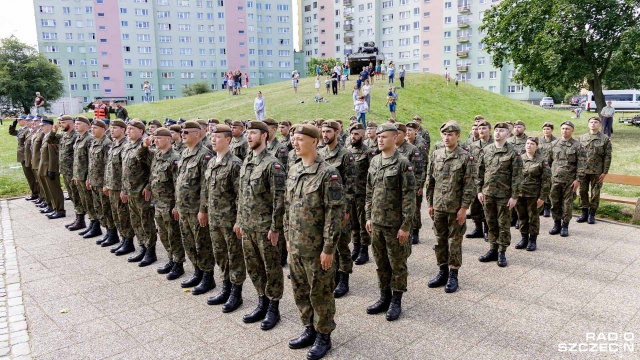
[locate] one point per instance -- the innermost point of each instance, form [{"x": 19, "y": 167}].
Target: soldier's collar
[
  {"x": 313, "y": 168},
  {"x": 392, "y": 160}
]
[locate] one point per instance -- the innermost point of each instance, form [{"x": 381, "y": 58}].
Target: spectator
[
  {"x": 356, "y": 93},
  {"x": 371, "y": 73},
  {"x": 359, "y": 82},
  {"x": 392, "y": 98},
  {"x": 343, "y": 81},
  {"x": 401, "y": 76},
  {"x": 607, "y": 119},
  {"x": 259, "y": 106},
  {"x": 326, "y": 69},
  {"x": 383, "y": 70},
  {"x": 146, "y": 88},
  {"x": 345, "y": 70},
  {"x": 364, "y": 74},
  {"x": 294, "y": 80},
  {"x": 318, "y": 71},
  {"x": 334, "y": 82},
  {"x": 577, "y": 111},
  {"x": 391, "y": 71},
  {"x": 39, "y": 104},
  {"x": 246, "y": 80},
  {"x": 230, "y": 83},
  {"x": 457, "y": 80},
  {"x": 377, "y": 70},
  {"x": 327, "y": 84},
  {"x": 337, "y": 68},
  {"x": 447, "y": 76},
  {"x": 318, "y": 85},
  {"x": 225, "y": 78},
  {"x": 366, "y": 92},
  {"x": 237, "y": 77},
  {"x": 361, "y": 110}
]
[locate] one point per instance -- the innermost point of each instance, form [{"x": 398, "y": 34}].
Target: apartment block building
[{"x": 109, "y": 48}]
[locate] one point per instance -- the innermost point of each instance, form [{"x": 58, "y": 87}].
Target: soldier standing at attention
[
  {"x": 284, "y": 128},
  {"x": 21, "y": 135},
  {"x": 544, "y": 147},
  {"x": 65, "y": 165},
  {"x": 473, "y": 135},
  {"x": 160, "y": 190},
  {"x": 416, "y": 140},
  {"x": 36, "y": 153},
  {"x": 362, "y": 156},
  {"x": 81, "y": 169},
  {"x": 176, "y": 139},
  {"x": 476, "y": 211},
  {"x": 415, "y": 156},
  {"x": 342, "y": 160},
  {"x": 193, "y": 228},
  {"x": 422, "y": 132},
  {"x": 598, "y": 160},
  {"x": 450, "y": 191},
  {"x": 50, "y": 166},
  {"x": 518, "y": 141},
  {"x": 95, "y": 181},
  {"x": 371, "y": 141},
  {"x": 239, "y": 145},
  {"x": 28, "y": 144},
  {"x": 390, "y": 205},
  {"x": 259, "y": 222},
  {"x": 536, "y": 176},
  {"x": 220, "y": 196},
  {"x": 314, "y": 214},
  {"x": 566, "y": 158},
  {"x": 498, "y": 182}
]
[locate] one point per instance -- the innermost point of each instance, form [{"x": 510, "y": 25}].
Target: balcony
[
  {"x": 347, "y": 3},
  {"x": 348, "y": 39},
  {"x": 464, "y": 23},
  {"x": 463, "y": 38},
  {"x": 462, "y": 68},
  {"x": 464, "y": 9},
  {"x": 348, "y": 16},
  {"x": 348, "y": 27},
  {"x": 463, "y": 54}
]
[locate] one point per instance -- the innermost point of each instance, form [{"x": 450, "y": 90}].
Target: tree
[
  {"x": 626, "y": 73},
  {"x": 560, "y": 43},
  {"x": 197, "y": 88},
  {"x": 330, "y": 62},
  {"x": 23, "y": 71}
]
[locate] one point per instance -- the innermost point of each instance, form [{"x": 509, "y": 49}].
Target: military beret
[
  {"x": 356, "y": 126},
  {"x": 228, "y": 121},
  {"x": 547, "y": 124},
  {"x": 168, "y": 122},
  {"x": 417, "y": 118},
  {"x": 413, "y": 125},
  {"x": 270, "y": 121},
  {"x": 478, "y": 117},
  {"x": 192, "y": 125},
  {"x": 23, "y": 117},
  {"x": 118, "y": 101},
  {"x": 595, "y": 118},
  {"x": 66, "y": 118},
  {"x": 285, "y": 123},
  {"x": 237, "y": 123},
  {"x": 331, "y": 124},
  {"x": 534, "y": 139},
  {"x": 391, "y": 120},
  {"x": 202, "y": 121},
  {"x": 484, "y": 123},
  {"x": 137, "y": 123},
  {"x": 144, "y": 122},
  {"x": 501, "y": 125},
  {"x": 509, "y": 123},
  {"x": 519, "y": 122},
  {"x": 386, "y": 127},
  {"x": 339, "y": 121},
  {"x": 210, "y": 121},
  {"x": 319, "y": 122},
  {"x": 119, "y": 123},
  {"x": 568, "y": 123},
  {"x": 371, "y": 124},
  {"x": 402, "y": 127},
  {"x": 450, "y": 126},
  {"x": 177, "y": 128},
  {"x": 222, "y": 128},
  {"x": 83, "y": 119},
  {"x": 162, "y": 132},
  {"x": 309, "y": 130},
  {"x": 99, "y": 123},
  {"x": 98, "y": 97},
  {"x": 46, "y": 121},
  {"x": 257, "y": 125},
  {"x": 155, "y": 122}
]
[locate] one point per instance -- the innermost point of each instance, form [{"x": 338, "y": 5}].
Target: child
[
  {"x": 343, "y": 80},
  {"x": 327, "y": 83},
  {"x": 392, "y": 97},
  {"x": 356, "y": 93},
  {"x": 318, "y": 85},
  {"x": 361, "y": 110}
]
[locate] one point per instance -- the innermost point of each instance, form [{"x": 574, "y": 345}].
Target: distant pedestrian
[
  {"x": 391, "y": 71},
  {"x": 362, "y": 109},
  {"x": 146, "y": 87},
  {"x": 294, "y": 80},
  {"x": 334, "y": 82},
  {"x": 259, "y": 106},
  {"x": 447, "y": 76},
  {"x": 456, "y": 80},
  {"x": 383, "y": 70},
  {"x": 343, "y": 81},
  {"x": 317, "y": 85},
  {"x": 327, "y": 84},
  {"x": 246, "y": 80},
  {"x": 366, "y": 92},
  {"x": 392, "y": 98},
  {"x": 39, "y": 104},
  {"x": 401, "y": 76},
  {"x": 318, "y": 70},
  {"x": 607, "y": 119}
]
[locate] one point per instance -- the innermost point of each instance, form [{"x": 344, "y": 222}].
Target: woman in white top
[
  {"x": 366, "y": 90},
  {"x": 259, "y": 106},
  {"x": 294, "y": 80},
  {"x": 147, "y": 91},
  {"x": 383, "y": 70},
  {"x": 318, "y": 85}
]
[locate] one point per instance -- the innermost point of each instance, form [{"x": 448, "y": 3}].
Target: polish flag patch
[
  {"x": 334, "y": 177},
  {"x": 277, "y": 166},
  {"x": 207, "y": 157},
  {"x": 417, "y": 154},
  {"x": 283, "y": 150},
  {"x": 410, "y": 168}
]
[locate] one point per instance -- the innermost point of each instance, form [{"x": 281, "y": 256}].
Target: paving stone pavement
[{"x": 553, "y": 299}]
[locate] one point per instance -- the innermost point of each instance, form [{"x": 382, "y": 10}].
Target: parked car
[
  {"x": 546, "y": 101},
  {"x": 575, "y": 101}
]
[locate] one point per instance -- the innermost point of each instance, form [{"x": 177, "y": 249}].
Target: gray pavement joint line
[{"x": 9, "y": 268}]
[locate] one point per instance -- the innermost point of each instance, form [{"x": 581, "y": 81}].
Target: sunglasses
[{"x": 185, "y": 132}]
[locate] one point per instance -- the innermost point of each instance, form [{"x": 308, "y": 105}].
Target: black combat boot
[
  {"x": 176, "y": 271},
  {"x": 555, "y": 230},
  {"x": 149, "y": 257},
  {"x": 106, "y": 236},
  {"x": 112, "y": 240},
  {"x": 139, "y": 256},
  {"x": 592, "y": 217},
  {"x": 222, "y": 296},
  {"x": 441, "y": 277},
  {"x": 532, "y": 242},
  {"x": 55, "y": 215},
  {"x": 382, "y": 304},
  {"x": 524, "y": 242},
  {"x": 259, "y": 312},
  {"x": 517, "y": 226},
  {"x": 355, "y": 252},
  {"x": 486, "y": 231},
  {"x": 564, "y": 230},
  {"x": 273, "y": 316},
  {"x": 126, "y": 248},
  {"x": 546, "y": 212},
  {"x": 395, "y": 308},
  {"x": 363, "y": 257},
  {"x": 477, "y": 232},
  {"x": 92, "y": 224},
  {"x": 96, "y": 231},
  {"x": 343, "y": 285},
  {"x": 491, "y": 255},
  {"x": 207, "y": 283},
  {"x": 235, "y": 299},
  {"x": 320, "y": 347},
  {"x": 166, "y": 268},
  {"x": 584, "y": 216},
  {"x": 306, "y": 339},
  {"x": 415, "y": 236},
  {"x": 194, "y": 280},
  {"x": 117, "y": 247},
  {"x": 80, "y": 224},
  {"x": 73, "y": 222},
  {"x": 452, "y": 282},
  {"x": 502, "y": 259}
]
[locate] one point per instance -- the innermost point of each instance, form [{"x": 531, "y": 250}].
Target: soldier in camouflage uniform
[
  {"x": 81, "y": 169},
  {"x": 545, "y": 145},
  {"x": 161, "y": 191},
  {"x": 36, "y": 153},
  {"x": 498, "y": 182},
  {"x": 567, "y": 160},
  {"x": 598, "y": 160},
  {"x": 95, "y": 181},
  {"x": 423, "y": 133},
  {"x": 50, "y": 168},
  {"x": 65, "y": 161},
  {"x": 28, "y": 143},
  {"x": 314, "y": 214},
  {"x": 518, "y": 140},
  {"x": 193, "y": 228},
  {"x": 342, "y": 160},
  {"x": 417, "y": 159},
  {"x": 416, "y": 140},
  {"x": 536, "y": 176},
  {"x": 204, "y": 125},
  {"x": 371, "y": 140},
  {"x": 176, "y": 139},
  {"x": 473, "y": 135},
  {"x": 477, "y": 212},
  {"x": 239, "y": 146},
  {"x": 284, "y": 128},
  {"x": 21, "y": 135},
  {"x": 219, "y": 195},
  {"x": 450, "y": 191},
  {"x": 390, "y": 206},
  {"x": 259, "y": 222}
]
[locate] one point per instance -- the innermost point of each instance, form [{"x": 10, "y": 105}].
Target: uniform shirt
[
  {"x": 362, "y": 156},
  {"x": 499, "y": 171},
  {"x": 424, "y": 152},
  {"x": 536, "y": 176},
  {"x": 98, "y": 161},
  {"x": 450, "y": 183},
  {"x": 598, "y": 152},
  {"x": 191, "y": 169},
  {"x": 239, "y": 147},
  {"x": 518, "y": 143},
  {"x": 43, "y": 167},
  {"x": 391, "y": 194},
  {"x": 121, "y": 113},
  {"x": 136, "y": 167},
  {"x": 279, "y": 151},
  {"x": 286, "y": 141},
  {"x": 36, "y": 148},
  {"x": 371, "y": 143},
  {"x": 81, "y": 156},
  {"x": 567, "y": 160},
  {"x": 52, "y": 144},
  {"x": 261, "y": 197},
  {"x": 65, "y": 152},
  {"x": 28, "y": 143},
  {"x": 414, "y": 155},
  {"x": 342, "y": 160},
  {"x": 162, "y": 178},
  {"x": 178, "y": 147},
  {"x": 292, "y": 158},
  {"x": 545, "y": 145},
  {"x": 113, "y": 170},
  {"x": 220, "y": 194},
  {"x": 314, "y": 209},
  {"x": 424, "y": 134},
  {"x": 21, "y": 135}
]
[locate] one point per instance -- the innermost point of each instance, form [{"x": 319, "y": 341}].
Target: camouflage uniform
[
  {"x": 239, "y": 147},
  {"x": 292, "y": 158},
  {"x": 362, "y": 156},
  {"x": 219, "y": 196},
  {"x": 286, "y": 141},
  {"x": 543, "y": 148},
  {"x": 536, "y": 181},
  {"x": 36, "y": 153},
  {"x": 260, "y": 209},
  {"x": 65, "y": 160},
  {"x": 470, "y": 140},
  {"x": 499, "y": 179},
  {"x": 476, "y": 211},
  {"x": 80, "y": 171},
  {"x": 567, "y": 160},
  {"x": 136, "y": 167},
  {"x": 371, "y": 144},
  {"x": 390, "y": 205},
  {"x": 450, "y": 187},
  {"x": 312, "y": 221},
  {"x": 424, "y": 154},
  {"x": 191, "y": 178},
  {"x": 113, "y": 183},
  {"x": 416, "y": 157},
  {"x": 598, "y": 160},
  {"x": 280, "y": 152},
  {"x": 424, "y": 134},
  {"x": 178, "y": 147},
  {"x": 518, "y": 143},
  {"x": 97, "y": 162},
  {"x": 21, "y": 134}
]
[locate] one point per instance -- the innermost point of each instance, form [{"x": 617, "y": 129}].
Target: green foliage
[
  {"x": 23, "y": 71},
  {"x": 330, "y": 62},
  {"x": 626, "y": 72},
  {"x": 200, "y": 87}
]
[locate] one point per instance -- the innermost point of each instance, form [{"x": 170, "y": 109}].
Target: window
[
  {"x": 184, "y": 39},
  {"x": 95, "y": 86},
  {"x": 166, "y": 51},
  {"x": 404, "y": 28},
  {"x": 167, "y": 75},
  {"x": 46, "y": 9},
  {"x": 48, "y": 23},
  {"x": 144, "y": 62},
  {"x": 480, "y": 45},
  {"x": 183, "y": 15},
  {"x": 492, "y": 74},
  {"x": 163, "y": 14},
  {"x": 142, "y": 24},
  {"x": 387, "y": 31},
  {"x": 141, "y": 12},
  {"x": 511, "y": 73},
  {"x": 185, "y": 51},
  {"x": 49, "y": 36},
  {"x": 447, "y": 5},
  {"x": 143, "y": 37},
  {"x": 164, "y": 26},
  {"x": 128, "y": 73},
  {"x": 144, "y": 49},
  {"x": 481, "y": 75},
  {"x": 166, "y": 63},
  {"x": 168, "y": 87},
  {"x": 146, "y": 74},
  {"x": 127, "y": 61},
  {"x": 492, "y": 88},
  {"x": 514, "y": 89},
  {"x": 481, "y": 60},
  {"x": 387, "y": 4},
  {"x": 186, "y": 75},
  {"x": 405, "y": 14},
  {"x": 447, "y": 48},
  {"x": 124, "y": 23},
  {"x": 387, "y": 17},
  {"x": 447, "y": 19},
  {"x": 405, "y": 41},
  {"x": 123, "y": 10},
  {"x": 447, "y": 63},
  {"x": 164, "y": 39}
]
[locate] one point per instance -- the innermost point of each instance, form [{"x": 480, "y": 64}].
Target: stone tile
[{"x": 128, "y": 319}]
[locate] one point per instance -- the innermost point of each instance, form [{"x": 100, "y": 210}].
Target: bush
[
  {"x": 330, "y": 62},
  {"x": 201, "y": 87}
]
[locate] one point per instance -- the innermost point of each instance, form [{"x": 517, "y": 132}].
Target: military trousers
[
  {"x": 57, "y": 196},
  {"x": 42, "y": 193},
  {"x": 591, "y": 185},
  {"x": 359, "y": 234},
  {"x": 476, "y": 210},
  {"x": 449, "y": 235},
  {"x": 86, "y": 198},
  {"x": 562, "y": 196},
  {"x": 345, "y": 264},
  {"x": 262, "y": 260},
  {"x": 102, "y": 207},
  {"x": 43, "y": 186},
  {"x": 227, "y": 251},
  {"x": 498, "y": 215},
  {"x": 120, "y": 214},
  {"x": 169, "y": 233},
  {"x": 529, "y": 215},
  {"x": 417, "y": 217},
  {"x": 313, "y": 292},
  {"x": 195, "y": 241},
  {"x": 74, "y": 195},
  {"x": 31, "y": 179},
  {"x": 391, "y": 258},
  {"x": 141, "y": 215}
]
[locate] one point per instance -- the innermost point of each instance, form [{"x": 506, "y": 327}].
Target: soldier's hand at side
[
  {"x": 75, "y": 181},
  {"x": 512, "y": 203},
  {"x": 238, "y": 231},
  {"x": 123, "y": 197},
  {"x": 176, "y": 214},
  {"x": 87, "y": 184},
  {"x": 601, "y": 178},
  {"x": 431, "y": 211},
  {"x": 202, "y": 219},
  {"x": 326, "y": 261},
  {"x": 402, "y": 236},
  {"x": 147, "y": 194},
  {"x": 575, "y": 185},
  {"x": 368, "y": 227},
  {"x": 345, "y": 221},
  {"x": 420, "y": 192},
  {"x": 481, "y": 198},
  {"x": 539, "y": 203},
  {"x": 105, "y": 191},
  {"x": 273, "y": 237},
  {"x": 461, "y": 216}
]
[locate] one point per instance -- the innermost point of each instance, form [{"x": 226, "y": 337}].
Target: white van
[{"x": 620, "y": 99}]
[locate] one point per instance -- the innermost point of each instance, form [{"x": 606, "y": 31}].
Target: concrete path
[{"x": 81, "y": 302}]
